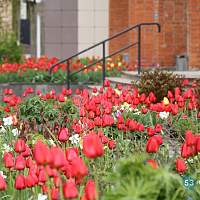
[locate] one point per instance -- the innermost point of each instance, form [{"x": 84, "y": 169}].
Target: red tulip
[
  {"x": 150, "y": 131},
  {"x": 184, "y": 151},
  {"x": 189, "y": 138},
  {"x": 69, "y": 190},
  {"x": 49, "y": 171},
  {"x": 55, "y": 194},
  {"x": 64, "y": 91},
  {"x": 152, "y": 145},
  {"x": 61, "y": 98},
  {"x": 177, "y": 91},
  {"x": 20, "y": 163},
  {"x": 158, "y": 128},
  {"x": 69, "y": 92},
  {"x": 111, "y": 144},
  {"x": 63, "y": 135},
  {"x": 198, "y": 143},
  {"x": 153, "y": 163},
  {"x": 27, "y": 151},
  {"x": 90, "y": 190},
  {"x": 78, "y": 168},
  {"x": 71, "y": 153},
  {"x": 42, "y": 153},
  {"x": 104, "y": 139},
  {"x": 107, "y": 120},
  {"x": 106, "y": 83},
  {"x": 57, "y": 181},
  {"x": 174, "y": 109},
  {"x": 158, "y": 138},
  {"x": 144, "y": 110},
  {"x": 92, "y": 146},
  {"x": 42, "y": 177},
  {"x": 20, "y": 146},
  {"x": 3, "y": 184},
  {"x": 20, "y": 182},
  {"x": 59, "y": 159},
  {"x": 180, "y": 165},
  {"x": 152, "y": 97},
  {"x": 8, "y": 160},
  {"x": 29, "y": 162},
  {"x": 30, "y": 181}
]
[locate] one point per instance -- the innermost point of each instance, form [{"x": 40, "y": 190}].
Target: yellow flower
[
  {"x": 126, "y": 104},
  {"x": 112, "y": 65},
  {"x": 117, "y": 91},
  {"x": 81, "y": 143},
  {"x": 119, "y": 64},
  {"x": 165, "y": 101}
]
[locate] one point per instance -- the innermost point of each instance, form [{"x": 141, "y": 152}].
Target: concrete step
[
  {"x": 130, "y": 75},
  {"x": 121, "y": 80},
  {"x": 192, "y": 75},
  {"x": 91, "y": 87}
]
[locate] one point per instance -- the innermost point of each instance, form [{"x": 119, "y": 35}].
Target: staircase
[{"x": 123, "y": 80}]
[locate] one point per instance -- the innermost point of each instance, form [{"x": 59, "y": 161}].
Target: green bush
[
  {"x": 10, "y": 51},
  {"x": 135, "y": 180},
  {"x": 158, "y": 81}
]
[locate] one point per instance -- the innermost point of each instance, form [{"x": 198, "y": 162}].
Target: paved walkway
[{"x": 187, "y": 74}]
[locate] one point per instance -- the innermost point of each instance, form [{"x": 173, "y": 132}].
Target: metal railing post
[
  {"x": 68, "y": 74},
  {"x": 104, "y": 62},
  {"x": 139, "y": 49}
]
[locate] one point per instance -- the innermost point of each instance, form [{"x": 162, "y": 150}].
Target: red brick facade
[
  {"x": 194, "y": 32},
  {"x": 180, "y": 29}
]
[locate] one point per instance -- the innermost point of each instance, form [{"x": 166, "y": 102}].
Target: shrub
[
  {"x": 10, "y": 51},
  {"x": 158, "y": 81},
  {"x": 134, "y": 179}
]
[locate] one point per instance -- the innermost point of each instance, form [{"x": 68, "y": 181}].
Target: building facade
[
  {"x": 5, "y": 16},
  {"x": 180, "y": 30},
  {"x": 63, "y": 27}
]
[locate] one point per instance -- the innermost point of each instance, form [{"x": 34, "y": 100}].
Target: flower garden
[
  {"x": 115, "y": 143},
  {"x": 34, "y": 70}
]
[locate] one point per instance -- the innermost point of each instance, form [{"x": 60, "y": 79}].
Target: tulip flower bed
[
  {"x": 36, "y": 70},
  {"x": 113, "y": 143}
]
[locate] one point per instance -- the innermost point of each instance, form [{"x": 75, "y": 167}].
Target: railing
[{"x": 104, "y": 57}]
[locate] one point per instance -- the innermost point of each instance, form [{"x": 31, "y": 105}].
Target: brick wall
[
  {"x": 143, "y": 11},
  {"x": 118, "y": 20},
  {"x": 180, "y": 29},
  {"x": 194, "y": 33},
  {"x": 5, "y": 16},
  {"x": 173, "y": 38}
]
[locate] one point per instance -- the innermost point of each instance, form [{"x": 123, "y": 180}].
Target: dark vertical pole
[
  {"x": 139, "y": 49},
  {"x": 104, "y": 62},
  {"x": 68, "y": 74}
]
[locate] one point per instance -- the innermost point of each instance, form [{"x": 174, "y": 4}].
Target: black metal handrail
[{"x": 104, "y": 57}]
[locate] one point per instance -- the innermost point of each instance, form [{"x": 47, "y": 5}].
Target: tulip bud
[
  {"x": 92, "y": 146},
  {"x": 20, "y": 163},
  {"x": 71, "y": 153},
  {"x": 55, "y": 195},
  {"x": 180, "y": 165},
  {"x": 20, "y": 182},
  {"x": 30, "y": 181},
  {"x": 63, "y": 135},
  {"x": 90, "y": 190},
  {"x": 3, "y": 184},
  {"x": 69, "y": 190},
  {"x": 20, "y": 146},
  {"x": 152, "y": 145},
  {"x": 8, "y": 160}
]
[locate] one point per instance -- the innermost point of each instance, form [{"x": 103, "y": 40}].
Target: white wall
[{"x": 92, "y": 24}]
